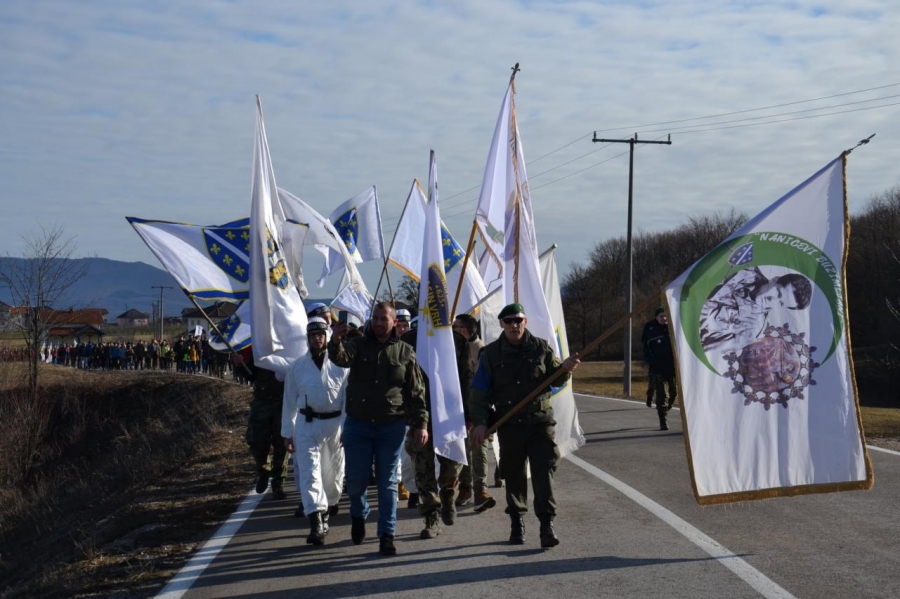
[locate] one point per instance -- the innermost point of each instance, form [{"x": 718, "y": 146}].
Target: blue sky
[{"x": 147, "y": 109}]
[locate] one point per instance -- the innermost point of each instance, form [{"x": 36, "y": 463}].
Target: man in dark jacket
[
  {"x": 384, "y": 393},
  {"x": 658, "y": 356},
  {"x": 510, "y": 369}
]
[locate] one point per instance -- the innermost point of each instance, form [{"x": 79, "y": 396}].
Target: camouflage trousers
[
  {"x": 663, "y": 386},
  {"x": 263, "y": 434},
  {"x": 428, "y": 483}
]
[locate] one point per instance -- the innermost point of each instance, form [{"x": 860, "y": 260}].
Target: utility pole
[
  {"x": 629, "y": 294},
  {"x": 162, "y": 311}
]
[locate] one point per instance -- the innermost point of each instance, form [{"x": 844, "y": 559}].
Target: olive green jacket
[
  {"x": 508, "y": 373},
  {"x": 385, "y": 382}
]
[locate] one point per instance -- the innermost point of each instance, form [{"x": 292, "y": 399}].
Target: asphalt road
[{"x": 629, "y": 527}]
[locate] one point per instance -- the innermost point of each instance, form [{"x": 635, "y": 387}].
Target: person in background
[{"x": 661, "y": 362}]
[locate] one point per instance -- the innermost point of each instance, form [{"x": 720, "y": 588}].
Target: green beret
[{"x": 511, "y": 310}]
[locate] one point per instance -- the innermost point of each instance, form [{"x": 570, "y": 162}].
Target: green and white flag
[{"x": 762, "y": 340}]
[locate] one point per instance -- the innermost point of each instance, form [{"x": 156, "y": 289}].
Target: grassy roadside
[{"x": 605, "y": 378}]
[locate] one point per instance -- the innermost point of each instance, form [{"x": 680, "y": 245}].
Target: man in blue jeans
[{"x": 385, "y": 393}]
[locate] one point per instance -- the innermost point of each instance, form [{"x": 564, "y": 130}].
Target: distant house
[
  {"x": 192, "y": 317},
  {"x": 62, "y": 326},
  {"x": 133, "y": 318},
  {"x": 74, "y": 334}
]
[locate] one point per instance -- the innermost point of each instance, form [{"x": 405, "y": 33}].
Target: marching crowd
[
  {"x": 355, "y": 412},
  {"x": 188, "y": 354}
]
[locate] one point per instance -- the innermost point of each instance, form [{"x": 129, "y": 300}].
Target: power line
[
  {"x": 799, "y": 118},
  {"x": 686, "y": 128},
  {"x": 690, "y": 129},
  {"x": 699, "y": 118}
]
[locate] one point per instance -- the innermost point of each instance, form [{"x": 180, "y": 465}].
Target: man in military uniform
[
  {"x": 438, "y": 492},
  {"x": 510, "y": 369},
  {"x": 384, "y": 388},
  {"x": 661, "y": 362},
  {"x": 264, "y": 431},
  {"x": 473, "y": 476}
]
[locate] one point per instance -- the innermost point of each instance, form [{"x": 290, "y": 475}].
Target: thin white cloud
[{"x": 110, "y": 108}]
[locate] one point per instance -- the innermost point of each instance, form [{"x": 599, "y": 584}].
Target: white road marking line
[
  {"x": 882, "y": 449},
  {"x": 182, "y": 582},
  {"x": 753, "y": 577}
]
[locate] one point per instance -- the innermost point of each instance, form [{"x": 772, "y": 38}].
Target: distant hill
[{"x": 118, "y": 287}]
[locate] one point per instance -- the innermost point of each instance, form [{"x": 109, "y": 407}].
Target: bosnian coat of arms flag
[{"x": 762, "y": 339}]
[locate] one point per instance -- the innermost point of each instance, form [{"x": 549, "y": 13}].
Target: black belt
[{"x": 309, "y": 414}]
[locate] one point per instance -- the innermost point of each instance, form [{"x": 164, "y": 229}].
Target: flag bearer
[
  {"x": 314, "y": 391},
  {"x": 509, "y": 370}
]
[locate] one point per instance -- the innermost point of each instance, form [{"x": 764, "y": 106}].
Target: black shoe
[
  {"x": 432, "y": 528},
  {"x": 516, "y": 529},
  {"x": 358, "y": 530},
  {"x": 316, "y": 530},
  {"x": 548, "y": 536},
  {"x": 262, "y": 483},
  {"x": 498, "y": 478},
  {"x": 413, "y": 501},
  {"x": 333, "y": 510},
  {"x": 325, "y": 526},
  {"x": 386, "y": 546},
  {"x": 448, "y": 507},
  {"x": 299, "y": 513},
  {"x": 649, "y": 402},
  {"x": 278, "y": 493},
  {"x": 662, "y": 423}
]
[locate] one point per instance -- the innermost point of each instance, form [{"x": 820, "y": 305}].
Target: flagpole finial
[
  {"x": 862, "y": 142},
  {"x": 515, "y": 70}
]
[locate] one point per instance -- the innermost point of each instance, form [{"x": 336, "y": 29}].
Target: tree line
[{"x": 594, "y": 292}]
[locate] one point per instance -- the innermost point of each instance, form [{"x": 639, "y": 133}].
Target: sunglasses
[{"x": 513, "y": 320}]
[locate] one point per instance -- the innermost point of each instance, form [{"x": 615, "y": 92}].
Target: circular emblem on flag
[
  {"x": 773, "y": 369},
  {"x": 747, "y": 309}
]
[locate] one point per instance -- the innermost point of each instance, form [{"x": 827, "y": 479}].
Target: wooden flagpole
[
  {"x": 586, "y": 350},
  {"x": 462, "y": 274}
]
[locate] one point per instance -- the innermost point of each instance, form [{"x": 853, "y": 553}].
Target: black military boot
[
  {"x": 358, "y": 530},
  {"x": 432, "y": 528},
  {"x": 548, "y": 536},
  {"x": 316, "y": 530},
  {"x": 662, "y": 422},
  {"x": 325, "y": 516},
  {"x": 413, "y": 501},
  {"x": 277, "y": 491},
  {"x": 299, "y": 513},
  {"x": 448, "y": 508},
  {"x": 262, "y": 482},
  {"x": 516, "y": 529}
]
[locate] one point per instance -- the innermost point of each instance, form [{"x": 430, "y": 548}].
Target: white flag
[
  {"x": 407, "y": 250},
  {"x": 505, "y": 191},
  {"x": 210, "y": 263},
  {"x": 569, "y": 436},
  {"x": 311, "y": 228},
  {"x": 278, "y": 318},
  {"x": 358, "y": 223},
  {"x": 762, "y": 341},
  {"x": 435, "y": 348}
]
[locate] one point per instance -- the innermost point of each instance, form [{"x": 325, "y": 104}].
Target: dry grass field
[{"x": 605, "y": 378}]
